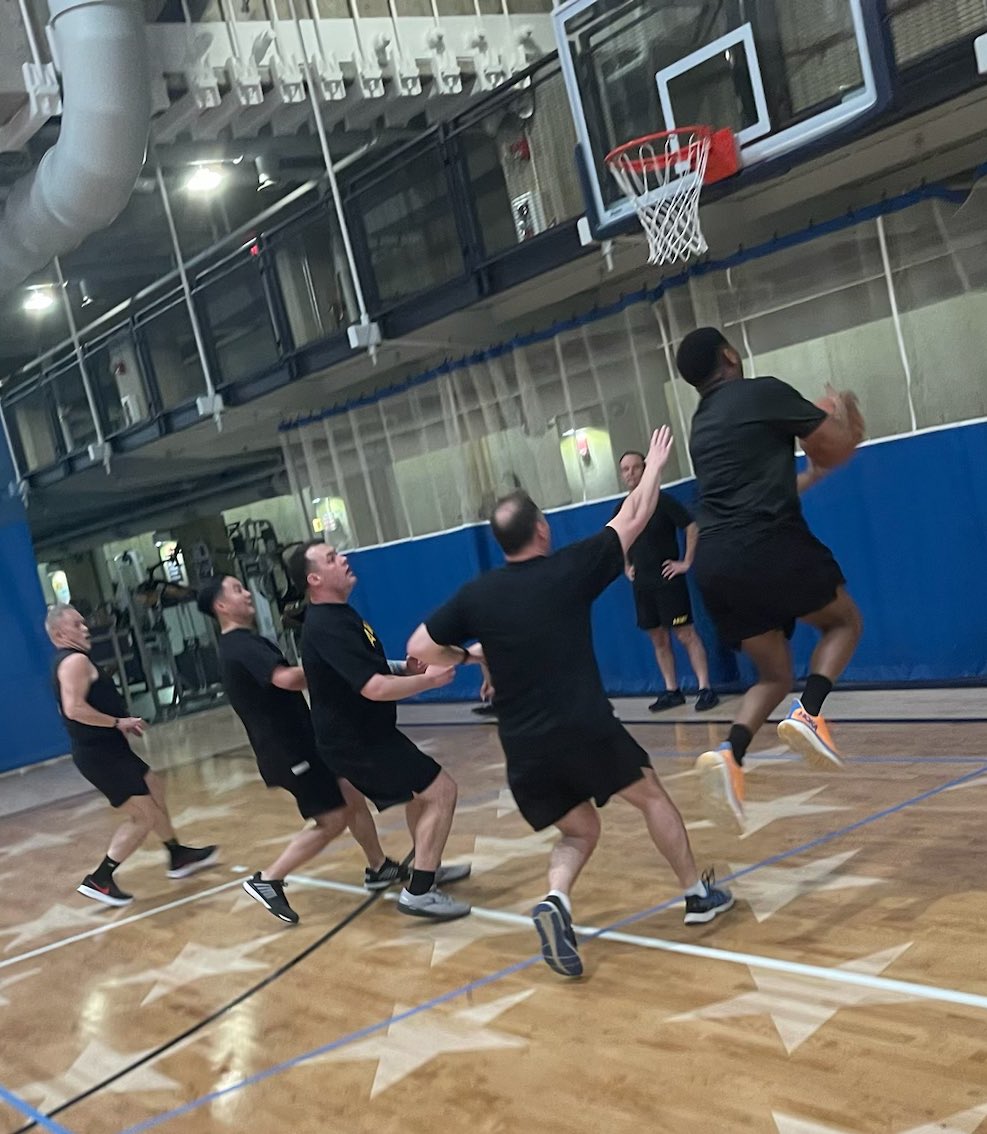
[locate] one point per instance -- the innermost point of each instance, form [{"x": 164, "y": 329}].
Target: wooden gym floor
[{"x": 846, "y": 992}]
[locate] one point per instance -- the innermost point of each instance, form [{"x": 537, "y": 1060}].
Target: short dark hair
[
  {"x": 632, "y": 453},
  {"x": 207, "y": 594},
  {"x": 298, "y": 564},
  {"x": 698, "y": 355},
  {"x": 513, "y": 521}
]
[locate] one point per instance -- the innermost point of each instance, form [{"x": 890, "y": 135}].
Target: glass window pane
[
  {"x": 30, "y": 424},
  {"x": 236, "y": 312},
  {"x": 75, "y": 420},
  {"x": 411, "y": 229},
  {"x": 309, "y": 269},
  {"x": 167, "y": 334}
]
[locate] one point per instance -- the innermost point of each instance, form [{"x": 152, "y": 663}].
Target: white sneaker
[{"x": 434, "y": 904}]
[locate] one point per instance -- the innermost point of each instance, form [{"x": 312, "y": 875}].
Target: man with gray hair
[{"x": 98, "y": 725}]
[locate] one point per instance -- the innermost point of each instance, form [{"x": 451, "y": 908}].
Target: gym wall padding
[
  {"x": 907, "y": 520},
  {"x": 30, "y": 727}
]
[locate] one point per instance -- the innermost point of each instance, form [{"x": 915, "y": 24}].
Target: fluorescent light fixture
[
  {"x": 204, "y": 179},
  {"x": 39, "y": 299}
]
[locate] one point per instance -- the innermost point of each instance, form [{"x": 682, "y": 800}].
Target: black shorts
[
  {"x": 551, "y": 774},
  {"x": 113, "y": 768},
  {"x": 663, "y": 604},
  {"x": 313, "y": 785},
  {"x": 753, "y": 584},
  {"x": 388, "y": 771}
]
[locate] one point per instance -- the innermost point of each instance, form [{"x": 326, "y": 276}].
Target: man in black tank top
[{"x": 97, "y": 723}]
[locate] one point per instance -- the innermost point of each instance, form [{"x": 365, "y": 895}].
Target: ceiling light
[
  {"x": 39, "y": 299},
  {"x": 204, "y": 179}
]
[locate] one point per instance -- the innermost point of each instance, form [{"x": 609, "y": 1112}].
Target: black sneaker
[
  {"x": 558, "y": 940},
  {"x": 715, "y": 901},
  {"x": 389, "y": 875},
  {"x": 270, "y": 893},
  {"x": 109, "y": 895},
  {"x": 189, "y": 860},
  {"x": 670, "y": 699},
  {"x": 706, "y": 700},
  {"x": 485, "y": 710}
]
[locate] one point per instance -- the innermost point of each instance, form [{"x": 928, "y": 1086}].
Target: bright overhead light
[
  {"x": 204, "y": 179},
  {"x": 39, "y": 299}
]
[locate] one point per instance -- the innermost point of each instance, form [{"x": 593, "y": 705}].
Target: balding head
[
  {"x": 67, "y": 628},
  {"x": 519, "y": 527}
]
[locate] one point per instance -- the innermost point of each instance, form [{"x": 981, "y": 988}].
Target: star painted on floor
[
  {"x": 197, "y": 962},
  {"x": 770, "y": 758},
  {"x": 6, "y": 982},
  {"x": 761, "y": 814},
  {"x": 976, "y": 781},
  {"x": 410, "y": 1044},
  {"x": 490, "y": 853},
  {"x": 963, "y": 1122},
  {"x": 503, "y": 802},
  {"x": 235, "y": 778},
  {"x": 51, "y": 921},
  {"x": 446, "y": 941},
  {"x": 202, "y": 814},
  {"x": 771, "y": 888},
  {"x": 97, "y": 1062},
  {"x": 35, "y": 843},
  {"x": 798, "y": 1005}
]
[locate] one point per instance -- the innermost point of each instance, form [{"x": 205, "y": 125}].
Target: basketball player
[
  {"x": 353, "y": 692},
  {"x": 661, "y": 597},
  {"x": 530, "y": 621},
  {"x": 758, "y": 566},
  {"x": 97, "y": 723},
  {"x": 265, "y": 693}
]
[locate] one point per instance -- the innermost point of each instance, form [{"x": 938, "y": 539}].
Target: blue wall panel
[
  {"x": 907, "y": 520},
  {"x": 30, "y": 727}
]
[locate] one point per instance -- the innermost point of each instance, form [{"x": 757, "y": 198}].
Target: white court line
[
  {"x": 752, "y": 960},
  {"x": 117, "y": 924}
]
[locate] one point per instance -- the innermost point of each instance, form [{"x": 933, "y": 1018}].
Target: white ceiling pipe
[{"x": 86, "y": 179}]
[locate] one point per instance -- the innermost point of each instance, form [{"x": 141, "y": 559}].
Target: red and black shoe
[{"x": 109, "y": 895}]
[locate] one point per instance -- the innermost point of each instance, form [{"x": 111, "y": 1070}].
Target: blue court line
[
  {"x": 520, "y": 966},
  {"x": 29, "y": 1112}
]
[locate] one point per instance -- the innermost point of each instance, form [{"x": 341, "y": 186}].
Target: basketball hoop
[{"x": 662, "y": 175}]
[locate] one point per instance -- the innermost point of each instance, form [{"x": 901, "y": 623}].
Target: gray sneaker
[
  {"x": 454, "y": 873},
  {"x": 434, "y": 904}
]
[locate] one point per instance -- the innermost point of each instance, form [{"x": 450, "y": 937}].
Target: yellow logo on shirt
[{"x": 371, "y": 636}]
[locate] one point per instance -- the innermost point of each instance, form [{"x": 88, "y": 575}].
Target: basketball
[{"x": 831, "y": 453}]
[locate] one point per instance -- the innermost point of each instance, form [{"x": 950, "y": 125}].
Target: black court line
[{"x": 214, "y": 1016}]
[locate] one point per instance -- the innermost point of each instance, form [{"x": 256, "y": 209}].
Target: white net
[{"x": 662, "y": 177}]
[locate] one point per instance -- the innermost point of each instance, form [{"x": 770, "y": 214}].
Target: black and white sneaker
[
  {"x": 270, "y": 893},
  {"x": 388, "y": 875},
  {"x": 699, "y": 910},
  {"x": 109, "y": 895},
  {"x": 558, "y": 939},
  {"x": 190, "y": 860}
]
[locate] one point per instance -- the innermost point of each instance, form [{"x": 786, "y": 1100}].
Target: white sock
[
  {"x": 698, "y": 890},
  {"x": 563, "y": 898}
]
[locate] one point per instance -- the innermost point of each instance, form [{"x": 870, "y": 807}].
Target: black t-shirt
[
  {"x": 658, "y": 542},
  {"x": 533, "y": 621},
  {"x": 103, "y": 696},
  {"x": 277, "y": 721},
  {"x": 743, "y": 447},
  {"x": 340, "y": 653}
]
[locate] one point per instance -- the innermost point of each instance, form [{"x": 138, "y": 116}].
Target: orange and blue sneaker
[
  {"x": 809, "y": 738},
  {"x": 721, "y": 785}
]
